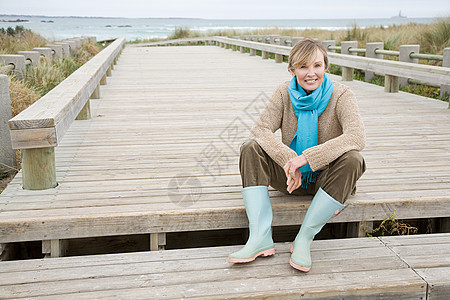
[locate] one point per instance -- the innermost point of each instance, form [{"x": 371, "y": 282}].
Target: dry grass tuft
[
  {"x": 21, "y": 95},
  {"x": 19, "y": 39}
]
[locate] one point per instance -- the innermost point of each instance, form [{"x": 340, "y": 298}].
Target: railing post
[
  {"x": 7, "y": 154},
  {"x": 327, "y": 44},
  {"x": 266, "y": 39},
  {"x": 65, "y": 48},
  {"x": 32, "y": 56},
  {"x": 85, "y": 113},
  {"x": 275, "y": 39},
  {"x": 347, "y": 73},
  {"x": 96, "y": 93},
  {"x": 445, "y": 89},
  {"x": 252, "y": 52},
  {"x": 46, "y": 52},
  {"x": 72, "y": 46},
  {"x": 265, "y": 55},
  {"x": 103, "y": 80},
  {"x": 390, "y": 84},
  {"x": 405, "y": 52},
  {"x": 38, "y": 168},
  {"x": 295, "y": 40},
  {"x": 234, "y": 47},
  {"x": 57, "y": 49},
  {"x": 278, "y": 58},
  {"x": 370, "y": 52},
  {"x": 17, "y": 60},
  {"x": 283, "y": 40}
]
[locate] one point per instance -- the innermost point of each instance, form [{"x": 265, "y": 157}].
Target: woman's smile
[{"x": 310, "y": 76}]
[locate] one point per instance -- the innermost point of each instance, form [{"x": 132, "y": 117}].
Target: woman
[{"x": 322, "y": 134}]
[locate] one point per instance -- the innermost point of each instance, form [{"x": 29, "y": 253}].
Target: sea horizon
[{"x": 104, "y": 28}]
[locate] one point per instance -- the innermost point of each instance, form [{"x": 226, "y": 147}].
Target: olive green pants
[{"x": 338, "y": 179}]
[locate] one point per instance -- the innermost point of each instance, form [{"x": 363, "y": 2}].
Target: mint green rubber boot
[
  {"x": 323, "y": 207},
  {"x": 259, "y": 214}
]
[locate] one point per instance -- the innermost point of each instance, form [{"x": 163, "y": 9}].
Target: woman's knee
[
  {"x": 353, "y": 161},
  {"x": 250, "y": 147}
]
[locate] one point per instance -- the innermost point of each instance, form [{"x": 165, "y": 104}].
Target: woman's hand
[{"x": 293, "y": 174}]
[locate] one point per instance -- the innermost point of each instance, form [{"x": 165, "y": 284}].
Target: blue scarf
[{"x": 307, "y": 109}]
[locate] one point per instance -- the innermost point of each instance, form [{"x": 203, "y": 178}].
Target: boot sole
[
  {"x": 300, "y": 268},
  {"x": 295, "y": 266},
  {"x": 268, "y": 252}
]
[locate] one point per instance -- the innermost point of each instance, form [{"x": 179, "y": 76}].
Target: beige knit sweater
[{"x": 340, "y": 128}]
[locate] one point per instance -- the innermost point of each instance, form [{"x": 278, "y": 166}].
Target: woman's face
[{"x": 310, "y": 77}]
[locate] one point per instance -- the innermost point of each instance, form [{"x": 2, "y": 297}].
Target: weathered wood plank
[
  {"x": 180, "y": 254},
  {"x": 429, "y": 256},
  {"x": 115, "y": 169},
  {"x": 51, "y": 112},
  {"x": 438, "y": 280},
  {"x": 338, "y": 271},
  {"x": 416, "y": 71}
]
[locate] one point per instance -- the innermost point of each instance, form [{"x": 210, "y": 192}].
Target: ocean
[{"x": 58, "y": 28}]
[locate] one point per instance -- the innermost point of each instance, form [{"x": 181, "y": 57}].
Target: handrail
[
  {"x": 438, "y": 75},
  {"x": 37, "y": 130},
  {"x": 277, "y": 49},
  {"x": 50, "y": 112},
  {"x": 387, "y": 52},
  {"x": 392, "y": 53}
]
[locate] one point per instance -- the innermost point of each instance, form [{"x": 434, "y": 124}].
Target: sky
[{"x": 230, "y": 9}]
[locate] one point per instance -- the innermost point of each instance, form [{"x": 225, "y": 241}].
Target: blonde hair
[{"x": 304, "y": 52}]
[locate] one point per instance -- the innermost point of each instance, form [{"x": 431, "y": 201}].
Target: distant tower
[{"x": 399, "y": 15}]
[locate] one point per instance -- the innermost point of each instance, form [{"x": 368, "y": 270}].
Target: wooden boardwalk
[
  {"x": 408, "y": 267},
  {"x": 160, "y": 153}
]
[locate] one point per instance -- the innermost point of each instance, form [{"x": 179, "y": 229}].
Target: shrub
[
  {"x": 21, "y": 95},
  {"x": 392, "y": 226}
]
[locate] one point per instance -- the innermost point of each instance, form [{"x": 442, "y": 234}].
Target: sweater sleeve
[
  {"x": 266, "y": 125},
  {"x": 352, "y": 137}
]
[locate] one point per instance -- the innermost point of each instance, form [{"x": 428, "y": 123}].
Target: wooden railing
[
  {"x": 392, "y": 69},
  {"x": 37, "y": 130},
  {"x": 396, "y": 72}
]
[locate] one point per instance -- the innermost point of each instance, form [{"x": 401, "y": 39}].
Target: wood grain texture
[
  {"x": 440, "y": 75},
  {"x": 38, "y": 168},
  {"x": 160, "y": 155},
  {"x": 340, "y": 269},
  {"x": 58, "y": 108}
]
